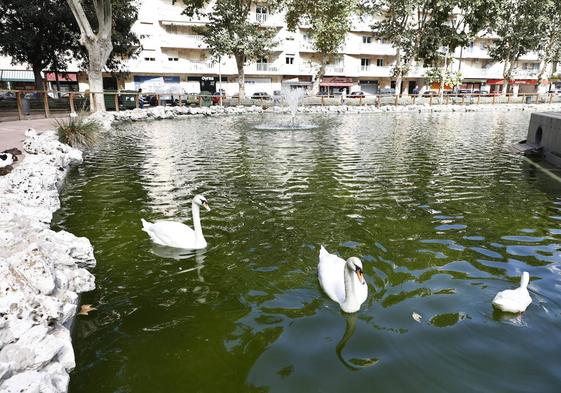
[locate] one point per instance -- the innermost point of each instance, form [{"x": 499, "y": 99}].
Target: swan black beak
[
  {"x": 360, "y": 275},
  {"x": 205, "y": 205}
]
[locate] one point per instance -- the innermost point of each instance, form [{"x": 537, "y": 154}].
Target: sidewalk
[{"x": 12, "y": 133}]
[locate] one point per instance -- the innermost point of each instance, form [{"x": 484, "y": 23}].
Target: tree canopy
[
  {"x": 44, "y": 34},
  {"x": 231, "y": 32},
  {"x": 329, "y": 21}
]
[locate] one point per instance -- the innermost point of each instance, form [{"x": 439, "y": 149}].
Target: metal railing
[{"x": 24, "y": 104}]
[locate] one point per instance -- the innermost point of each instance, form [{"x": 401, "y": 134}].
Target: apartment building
[{"x": 175, "y": 59}]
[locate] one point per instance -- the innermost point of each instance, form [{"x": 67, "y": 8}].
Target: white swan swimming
[
  {"x": 514, "y": 300},
  {"x": 343, "y": 281},
  {"x": 176, "y": 234}
]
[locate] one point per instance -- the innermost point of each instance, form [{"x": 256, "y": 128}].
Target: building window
[
  {"x": 173, "y": 58},
  {"x": 379, "y": 62},
  {"x": 289, "y": 38},
  {"x": 289, "y": 59},
  {"x": 366, "y": 39},
  {"x": 261, "y": 14},
  {"x": 364, "y": 64},
  {"x": 149, "y": 59}
]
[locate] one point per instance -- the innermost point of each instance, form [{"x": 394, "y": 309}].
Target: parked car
[
  {"x": 322, "y": 94},
  {"x": 7, "y": 95},
  {"x": 216, "y": 97},
  {"x": 555, "y": 91},
  {"x": 260, "y": 95},
  {"x": 430, "y": 93},
  {"x": 386, "y": 91},
  {"x": 356, "y": 94}
]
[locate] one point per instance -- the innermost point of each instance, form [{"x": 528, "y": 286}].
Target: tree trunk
[
  {"x": 509, "y": 66},
  {"x": 38, "y": 78},
  {"x": 98, "y": 45},
  {"x": 398, "y": 73},
  {"x": 98, "y": 53},
  {"x": 241, "y": 75},
  {"x": 319, "y": 76}
]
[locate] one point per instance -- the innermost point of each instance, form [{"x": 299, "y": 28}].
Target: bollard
[
  {"x": 18, "y": 102},
  {"x": 46, "y": 103},
  {"x": 494, "y": 99},
  {"x": 478, "y": 97},
  {"x": 508, "y": 98},
  {"x": 430, "y": 100},
  {"x": 463, "y": 98},
  {"x": 158, "y": 99},
  {"x": 71, "y": 101}
]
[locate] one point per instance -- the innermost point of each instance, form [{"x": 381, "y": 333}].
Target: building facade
[{"x": 174, "y": 59}]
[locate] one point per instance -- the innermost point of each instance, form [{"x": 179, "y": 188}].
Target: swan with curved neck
[
  {"x": 514, "y": 300},
  {"x": 176, "y": 234},
  {"x": 343, "y": 281}
]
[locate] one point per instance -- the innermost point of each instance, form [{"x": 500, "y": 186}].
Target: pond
[{"x": 440, "y": 213}]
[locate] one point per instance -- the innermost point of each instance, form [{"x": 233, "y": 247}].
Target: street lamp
[{"x": 444, "y": 74}]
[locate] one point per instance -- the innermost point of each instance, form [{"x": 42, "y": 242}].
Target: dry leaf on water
[
  {"x": 85, "y": 309},
  {"x": 416, "y": 317}
]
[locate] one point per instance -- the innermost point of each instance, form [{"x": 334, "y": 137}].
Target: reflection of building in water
[{"x": 168, "y": 186}]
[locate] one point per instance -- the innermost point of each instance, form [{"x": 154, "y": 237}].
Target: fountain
[{"x": 293, "y": 98}]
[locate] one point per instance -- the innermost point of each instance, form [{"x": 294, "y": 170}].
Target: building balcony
[
  {"x": 357, "y": 47},
  {"x": 266, "y": 68},
  {"x": 307, "y": 46},
  {"x": 182, "y": 41},
  {"x": 335, "y": 69},
  {"x": 372, "y": 70}
]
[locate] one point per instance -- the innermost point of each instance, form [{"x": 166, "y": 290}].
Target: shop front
[
  {"x": 62, "y": 81},
  {"x": 335, "y": 85},
  {"x": 518, "y": 86},
  {"x": 17, "y": 80}
]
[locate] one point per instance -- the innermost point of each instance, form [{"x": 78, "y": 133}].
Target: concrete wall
[{"x": 545, "y": 131}]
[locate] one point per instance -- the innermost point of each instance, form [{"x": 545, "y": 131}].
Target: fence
[{"x": 23, "y": 104}]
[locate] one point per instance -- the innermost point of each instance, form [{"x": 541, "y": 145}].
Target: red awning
[
  {"x": 337, "y": 81},
  {"x": 62, "y": 77},
  {"x": 512, "y": 82}
]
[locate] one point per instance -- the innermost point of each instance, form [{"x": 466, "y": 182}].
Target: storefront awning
[
  {"x": 512, "y": 82},
  {"x": 16, "y": 76},
  {"x": 62, "y": 77},
  {"x": 337, "y": 82}
]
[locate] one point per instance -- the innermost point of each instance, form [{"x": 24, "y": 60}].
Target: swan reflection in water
[
  {"x": 353, "y": 364},
  {"x": 180, "y": 254}
]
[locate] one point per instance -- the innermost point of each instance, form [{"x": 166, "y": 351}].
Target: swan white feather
[
  {"x": 514, "y": 300},
  {"x": 342, "y": 280},
  {"x": 6, "y": 159},
  {"x": 176, "y": 234}
]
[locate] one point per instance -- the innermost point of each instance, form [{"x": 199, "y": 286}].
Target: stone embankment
[
  {"x": 41, "y": 271},
  {"x": 171, "y": 112}
]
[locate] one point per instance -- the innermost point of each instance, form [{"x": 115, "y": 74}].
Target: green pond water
[{"x": 441, "y": 214}]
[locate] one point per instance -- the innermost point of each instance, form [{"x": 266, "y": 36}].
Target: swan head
[
  {"x": 201, "y": 201},
  {"x": 355, "y": 265}
]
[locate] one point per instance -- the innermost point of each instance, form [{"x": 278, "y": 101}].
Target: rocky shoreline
[
  {"x": 171, "y": 112},
  {"x": 41, "y": 271}
]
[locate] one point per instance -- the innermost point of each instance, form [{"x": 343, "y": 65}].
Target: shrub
[{"x": 77, "y": 131}]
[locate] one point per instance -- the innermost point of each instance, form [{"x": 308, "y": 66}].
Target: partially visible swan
[
  {"x": 343, "y": 281},
  {"x": 176, "y": 234},
  {"x": 6, "y": 159},
  {"x": 514, "y": 300}
]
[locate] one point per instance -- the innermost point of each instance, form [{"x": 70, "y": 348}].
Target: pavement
[{"x": 12, "y": 133}]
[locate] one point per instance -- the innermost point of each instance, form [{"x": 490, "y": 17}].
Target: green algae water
[{"x": 441, "y": 214}]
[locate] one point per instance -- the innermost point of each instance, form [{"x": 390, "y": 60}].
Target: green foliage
[
  {"x": 418, "y": 29},
  {"x": 329, "y": 21},
  {"x": 78, "y": 131},
  {"x": 434, "y": 75},
  {"x": 40, "y": 33},
  {"x": 229, "y": 31},
  {"x": 44, "y": 33}
]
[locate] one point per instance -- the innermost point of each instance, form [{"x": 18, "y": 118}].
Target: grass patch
[{"x": 77, "y": 131}]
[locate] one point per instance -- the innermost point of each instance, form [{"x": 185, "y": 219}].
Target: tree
[
  {"x": 98, "y": 44},
  {"x": 515, "y": 25},
  {"x": 329, "y": 22},
  {"x": 549, "y": 48},
  {"x": 37, "y": 32},
  {"x": 229, "y": 32},
  {"x": 419, "y": 29}
]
